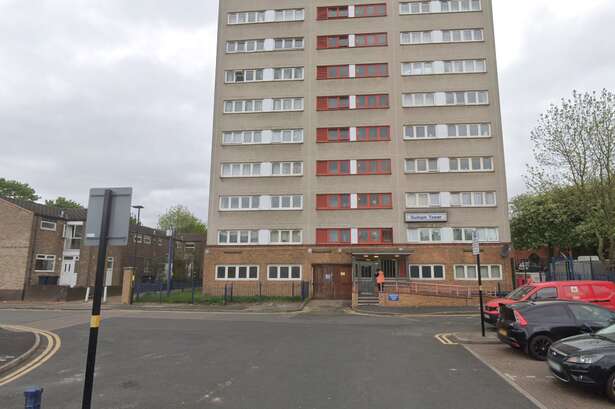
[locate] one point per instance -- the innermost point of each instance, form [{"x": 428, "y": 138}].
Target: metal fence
[
  {"x": 562, "y": 269},
  {"x": 257, "y": 289}
]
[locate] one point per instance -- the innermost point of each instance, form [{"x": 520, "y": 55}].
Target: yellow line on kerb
[
  {"x": 53, "y": 345},
  {"x": 444, "y": 338}
]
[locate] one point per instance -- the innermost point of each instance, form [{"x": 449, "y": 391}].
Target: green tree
[
  {"x": 13, "y": 189},
  {"x": 182, "y": 220},
  {"x": 63, "y": 203},
  {"x": 574, "y": 146}
]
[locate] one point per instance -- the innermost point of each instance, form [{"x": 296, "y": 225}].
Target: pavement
[
  {"x": 321, "y": 357},
  {"x": 14, "y": 347},
  {"x": 377, "y": 309}
]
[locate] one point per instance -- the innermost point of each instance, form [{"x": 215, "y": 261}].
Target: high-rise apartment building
[{"x": 352, "y": 136}]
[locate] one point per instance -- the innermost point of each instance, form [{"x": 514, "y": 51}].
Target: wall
[
  {"x": 15, "y": 242},
  {"x": 412, "y": 300}
]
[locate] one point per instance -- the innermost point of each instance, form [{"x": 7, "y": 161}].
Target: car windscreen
[{"x": 519, "y": 293}]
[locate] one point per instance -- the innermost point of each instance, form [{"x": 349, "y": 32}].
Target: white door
[{"x": 68, "y": 275}]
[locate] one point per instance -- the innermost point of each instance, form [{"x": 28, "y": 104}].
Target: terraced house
[{"x": 355, "y": 136}]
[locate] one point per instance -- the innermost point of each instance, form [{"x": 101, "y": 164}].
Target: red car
[{"x": 601, "y": 293}]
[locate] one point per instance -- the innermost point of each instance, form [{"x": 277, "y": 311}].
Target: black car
[
  {"x": 586, "y": 360},
  {"x": 533, "y": 326}
]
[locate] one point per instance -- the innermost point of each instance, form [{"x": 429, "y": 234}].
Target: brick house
[{"x": 42, "y": 255}]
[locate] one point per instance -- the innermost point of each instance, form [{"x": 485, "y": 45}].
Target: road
[{"x": 320, "y": 359}]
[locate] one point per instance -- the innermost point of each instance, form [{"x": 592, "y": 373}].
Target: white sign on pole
[{"x": 475, "y": 244}]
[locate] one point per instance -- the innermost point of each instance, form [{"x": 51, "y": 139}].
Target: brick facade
[{"x": 15, "y": 245}]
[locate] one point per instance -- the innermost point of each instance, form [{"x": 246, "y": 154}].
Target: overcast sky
[{"x": 119, "y": 92}]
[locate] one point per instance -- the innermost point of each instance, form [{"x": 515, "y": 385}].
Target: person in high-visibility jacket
[{"x": 380, "y": 280}]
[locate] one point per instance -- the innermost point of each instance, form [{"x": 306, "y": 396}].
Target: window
[
  {"x": 287, "y": 104},
  {"x": 330, "y": 72},
  {"x": 332, "y": 103},
  {"x": 458, "y": 36},
  {"x": 289, "y": 15},
  {"x": 282, "y": 44},
  {"x": 243, "y": 106},
  {"x": 288, "y": 74},
  {"x": 488, "y": 272},
  {"x": 242, "y": 137},
  {"x": 333, "y": 236},
  {"x": 291, "y": 272},
  {"x": 443, "y": 67},
  {"x": 446, "y": 6},
  {"x": 147, "y": 239},
  {"x": 287, "y": 136},
  {"x": 590, "y": 313},
  {"x": 237, "y": 203},
  {"x": 236, "y": 272},
  {"x": 375, "y": 236},
  {"x": 287, "y": 168},
  {"x": 371, "y": 70},
  {"x": 422, "y": 200},
  {"x": 416, "y": 37},
  {"x": 241, "y": 170},
  {"x": 239, "y": 76},
  {"x": 190, "y": 246},
  {"x": 420, "y": 132},
  {"x": 449, "y": 6},
  {"x": 287, "y": 202},
  {"x": 286, "y": 237},
  {"x": 419, "y": 99},
  {"x": 48, "y": 225},
  {"x": 331, "y": 13},
  {"x": 469, "y": 130},
  {"x": 374, "y": 201},
  {"x": 418, "y": 68},
  {"x": 333, "y": 201},
  {"x": 370, "y": 10},
  {"x": 475, "y": 164},
  {"x": 244, "y": 237},
  {"x": 422, "y": 165},
  {"x": 48, "y": 280},
  {"x": 246, "y": 17},
  {"x": 467, "y": 98},
  {"x": 332, "y": 41},
  {"x": 465, "y": 66},
  {"x": 44, "y": 263},
  {"x": 485, "y": 234},
  {"x": 472, "y": 199},
  {"x": 371, "y": 40},
  {"x": 245, "y": 46},
  {"x": 424, "y": 235},
  {"x": 426, "y": 272},
  {"x": 373, "y": 133},
  {"x": 548, "y": 293},
  {"x": 415, "y": 7},
  {"x": 332, "y": 135},
  {"x": 374, "y": 167},
  {"x": 332, "y": 167},
  {"x": 138, "y": 238},
  {"x": 372, "y": 101}
]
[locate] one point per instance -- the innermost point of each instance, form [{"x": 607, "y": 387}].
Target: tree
[
  {"x": 63, "y": 203},
  {"x": 13, "y": 189},
  {"x": 574, "y": 146},
  {"x": 182, "y": 220}
]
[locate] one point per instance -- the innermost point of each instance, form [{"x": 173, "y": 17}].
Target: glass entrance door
[{"x": 365, "y": 274}]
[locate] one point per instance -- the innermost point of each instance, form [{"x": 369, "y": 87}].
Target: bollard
[{"x": 34, "y": 397}]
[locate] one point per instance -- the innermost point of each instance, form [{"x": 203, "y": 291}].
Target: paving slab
[
  {"x": 377, "y": 309},
  {"x": 13, "y": 347}
]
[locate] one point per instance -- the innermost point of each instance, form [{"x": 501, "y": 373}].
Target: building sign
[
  {"x": 394, "y": 297},
  {"x": 426, "y": 217},
  {"x": 475, "y": 243}
]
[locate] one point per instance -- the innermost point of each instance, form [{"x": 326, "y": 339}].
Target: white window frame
[
  {"x": 459, "y": 5},
  {"x": 458, "y": 199},
  {"x": 292, "y": 200},
  {"x": 295, "y": 43},
  {"x": 426, "y": 7},
  {"x": 290, "y": 268},
  {"x": 50, "y": 222},
  {"x": 483, "y": 234},
  {"x": 419, "y": 99},
  {"x": 459, "y": 162},
  {"x": 466, "y": 98},
  {"x": 252, "y": 200},
  {"x": 233, "y": 18},
  {"x": 289, "y": 104},
  {"x": 256, "y": 45},
  {"x": 432, "y": 268},
  {"x": 442, "y": 36},
  {"x": 422, "y": 7},
  {"x": 286, "y": 15},
  {"x": 246, "y": 106},
  {"x": 280, "y": 233},
  {"x": 245, "y": 137},
  {"x": 257, "y": 74},
  {"x": 461, "y": 35},
  {"x": 489, "y": 277},
  {"x": 287, "y": 136},
  {"x": 417, "y": 37},
  {"x": 411, "y": 165},
  {"x": 45, "y": 257},
  {"x": 282, "y": 167},
  {"x": 252, "y": 233},
  {"x": 468, "y": 130},
  {"x": 414, "y": 200},
  {"x": 147, "y": 239},
  {"x": 429, "y": 131},
  {"x": 237, "y": 267},
  {"x": 431, "y": 232},
  {"x": 296, "y": 74},
  {"x": 250, "y": 167},
  {"x": 190, "y": 245},
  {"x": 443, "y": 67}
]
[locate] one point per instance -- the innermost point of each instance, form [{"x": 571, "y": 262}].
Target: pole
[
  {"x": 170, "y": 261},
  {"x": 98, "y": 289},
  {"x": 134, "y": 242},
  {"x": 480, "y": 295}
]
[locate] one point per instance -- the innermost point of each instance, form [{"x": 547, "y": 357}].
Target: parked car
[
  {"x": 587, "y": 360},
  {"x": 601, "y": 293},
  {"x": 533, "y": 326}
]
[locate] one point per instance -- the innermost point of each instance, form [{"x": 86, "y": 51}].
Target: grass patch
[{"x": 178, "y": 297}]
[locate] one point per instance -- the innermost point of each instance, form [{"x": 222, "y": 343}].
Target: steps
[{"x": 367, "y": 300}]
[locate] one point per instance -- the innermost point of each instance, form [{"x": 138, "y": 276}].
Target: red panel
[
  {"x": 321, "y": 43},
  {"x": 321, "y": 104},
  {"x": 322, "y": 167},
  {"x": 321, "y": 72},
  {"x": 321, "y": 13},
  {"x": 321, "y": 135},
  {"x": 322, "y": 236}
]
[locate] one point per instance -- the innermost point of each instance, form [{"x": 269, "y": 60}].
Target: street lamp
[{"x": 138, "y": 207}]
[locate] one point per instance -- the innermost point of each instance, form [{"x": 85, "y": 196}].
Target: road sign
[
  {"x": 119, "y": 222},
  {"x": 475, "y": 244}
]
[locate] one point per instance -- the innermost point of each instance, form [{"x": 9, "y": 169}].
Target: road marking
[
  {"x": 445, "y": 339},
  {"x": 507, "y": 379},
  {"x": 53, "y": 345}
]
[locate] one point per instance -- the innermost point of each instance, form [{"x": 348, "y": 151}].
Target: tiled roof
[{"x": 50, "y": 212}]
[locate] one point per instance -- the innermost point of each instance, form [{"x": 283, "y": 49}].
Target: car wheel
[
  {"x": 539, "y": 347},
  {"x": 610, "y": 387}
]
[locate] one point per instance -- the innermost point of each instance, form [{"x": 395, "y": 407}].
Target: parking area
[{"x": 534, "y": 379}]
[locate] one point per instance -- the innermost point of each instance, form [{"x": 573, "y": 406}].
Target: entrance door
[
  {"x": 365, "y": 274},
  {"x": 333, "y": 281},
  {"x": 68, "y": 275}
]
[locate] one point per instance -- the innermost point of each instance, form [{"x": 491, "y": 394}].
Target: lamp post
[{"x": 138, "y": 207}]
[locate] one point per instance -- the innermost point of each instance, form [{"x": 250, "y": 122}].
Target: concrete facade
[{"x": 462, "y": 195}]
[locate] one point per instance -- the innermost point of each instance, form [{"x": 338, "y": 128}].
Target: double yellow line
[
  {"x": 445, "y": 339},
  {"x": 53, "y": 345}
]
